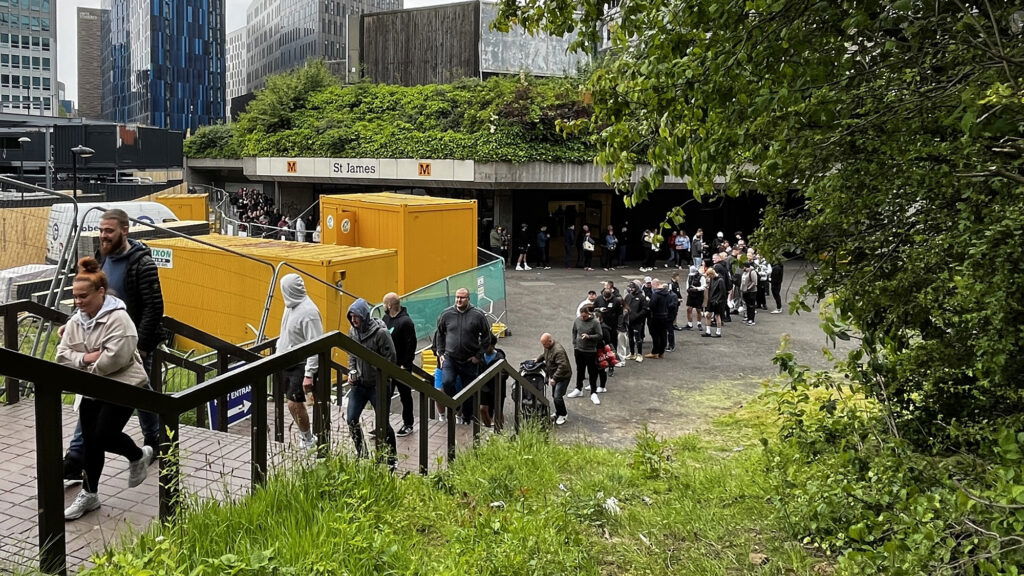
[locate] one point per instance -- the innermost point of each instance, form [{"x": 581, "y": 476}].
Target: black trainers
[
  {"x": 72, "y": 472},
  {"x": 405, "y": 430}
]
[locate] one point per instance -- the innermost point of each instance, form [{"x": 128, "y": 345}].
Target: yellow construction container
[
  {"x": 224, "y": 294},
  {"x": 186, "y": 206},
  {"x": 435, "y": 237}
]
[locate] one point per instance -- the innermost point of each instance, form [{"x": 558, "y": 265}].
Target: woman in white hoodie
[{"x": 101, "y": 338}]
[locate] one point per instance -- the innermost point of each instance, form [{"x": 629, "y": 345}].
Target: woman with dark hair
[{"x": 101, "y": 338}]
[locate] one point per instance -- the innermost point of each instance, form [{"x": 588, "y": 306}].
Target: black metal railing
[{"x": 52, "y": 380}]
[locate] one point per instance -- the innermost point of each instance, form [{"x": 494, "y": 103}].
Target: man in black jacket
[
  {"x": 659, "y": 323},
  {"x": 463, "y": 333},
  {"x": 403, "y": 334},
  {"x": 132, "y": 276}
]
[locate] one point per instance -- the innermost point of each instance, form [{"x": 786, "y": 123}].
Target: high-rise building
[
  {"x": 90, "y": 91},
  {"x": 236, "y": 63},
  {"x": 284, "y": 34},
  {"x": 163, "y": 62},
  {"x": 28, "y": 57}
]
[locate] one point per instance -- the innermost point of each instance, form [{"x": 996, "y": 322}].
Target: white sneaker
[
  {"x": 776, "y": 311},
  {"x": 560, "y": 420},
  {"x": 84, "y": 502},
  {"x": 307, "y": 444},
  {"x": 620, "y": 363},
  {"x": 602, "y": 390},
  {"x": 639, "y": 358},
  {"x": 519, "y": 267},
  {"x": 137, "y": 469},
  {"x": 595, "y": 399},
  {"x": 576, "y": 393},
  {"x": 525, "y": 267}
]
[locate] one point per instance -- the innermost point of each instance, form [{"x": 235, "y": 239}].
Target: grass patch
[{"x": 524, "y": 505}]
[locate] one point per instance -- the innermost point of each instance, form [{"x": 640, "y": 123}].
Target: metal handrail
[{"x": 52, "y": 380}]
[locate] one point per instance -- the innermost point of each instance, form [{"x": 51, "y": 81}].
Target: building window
[{"x": 46, "y": 64}]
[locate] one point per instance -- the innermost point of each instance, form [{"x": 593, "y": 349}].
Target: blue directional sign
[{"x": 239, "y": 408}]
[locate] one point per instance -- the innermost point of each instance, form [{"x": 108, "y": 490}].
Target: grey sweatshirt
[
  {"x": 593, "y": 331},
  {"x": 301, "y": 321}
]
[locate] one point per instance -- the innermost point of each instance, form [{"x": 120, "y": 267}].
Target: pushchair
[{"x": 532, "y": 406}]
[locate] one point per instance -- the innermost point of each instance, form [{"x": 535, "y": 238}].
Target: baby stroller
[{"x": 532, "y": 406}]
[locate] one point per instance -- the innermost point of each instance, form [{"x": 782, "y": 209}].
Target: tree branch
[{"x": 981, "y": 500}]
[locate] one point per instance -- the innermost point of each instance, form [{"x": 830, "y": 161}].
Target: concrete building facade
[
  {"x": 236, "y": 66},
  {"x": 28, "y": 57},
  {"x": 284, "y": 34},
  {"x": 90, "y": 80},
  {"x": 163, "y": 62}
]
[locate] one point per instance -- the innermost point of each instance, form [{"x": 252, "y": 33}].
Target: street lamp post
[
  {"x": 21, "y": 169},
  {"x": 77, "y": 151}
]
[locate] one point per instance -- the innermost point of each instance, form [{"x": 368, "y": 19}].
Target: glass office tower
[{"x": 164, "y": 63}]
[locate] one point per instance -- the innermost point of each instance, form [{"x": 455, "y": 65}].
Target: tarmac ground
[{"x": 702, "y": 378}]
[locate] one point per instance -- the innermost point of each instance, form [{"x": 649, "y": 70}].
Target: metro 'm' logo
[
  {"x": 424, "y": 169},
  {"x": 293, "y": 166}
]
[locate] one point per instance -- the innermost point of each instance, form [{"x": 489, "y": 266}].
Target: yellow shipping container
[
  {"x": 186, "y": 206},
  {"x": 435, "y": 237},
  {"x": 224, "y": 294}
]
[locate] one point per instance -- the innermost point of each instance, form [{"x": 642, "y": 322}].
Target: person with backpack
[
  {"x": 715, "y": 306},
  {"x": 696, "y": 284},
  {"x": 635, "y": 307}
]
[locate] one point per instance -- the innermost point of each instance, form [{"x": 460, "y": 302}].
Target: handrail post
[
  {"x": 49, "y": 489},
  {"x": 451, "y": 433},
  {"x": 13, "y": 386},
  {"x": 380, "y": 414},
  {"x": 223, "y": 365},
  {"x": 476, "y": 418},
  {"x": 202, "y": 421},
  {"x": 498, "y": 414},
  {"x": 170, "y": 464},
  {"x": 517, "y": 407},
  {"x": 156, "y": 381},
  {"x": 424, "y": 424},
  {"x": 278, "y": 408},
  {"x": 322, "y": 406},
  {"x": 259, "y": 431}
]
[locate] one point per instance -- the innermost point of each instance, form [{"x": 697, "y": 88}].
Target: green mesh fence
[{"x": 486, "y": 285}]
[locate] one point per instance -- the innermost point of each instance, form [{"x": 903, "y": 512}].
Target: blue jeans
[
  {"x": 455, "y": 370},
  {"x": 358, "y": 398},
  {"x": 148, "y": 422},
  {"x": 561, "y": 386}
]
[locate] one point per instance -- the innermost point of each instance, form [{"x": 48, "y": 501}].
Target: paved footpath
[{"x": 702, "y": 377}]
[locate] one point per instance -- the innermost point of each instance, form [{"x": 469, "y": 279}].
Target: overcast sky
[{"x": 67, "y": 33}]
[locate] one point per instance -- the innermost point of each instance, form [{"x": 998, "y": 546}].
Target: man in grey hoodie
[
  {"x": 300, "y": 324},
  {"x": 363, "y": 378}
]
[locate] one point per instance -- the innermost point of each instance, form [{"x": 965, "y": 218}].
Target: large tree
[{"x": 888, "y": 138}]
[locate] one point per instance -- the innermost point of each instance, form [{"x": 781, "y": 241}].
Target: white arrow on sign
[{"x": 242, "y": 409}]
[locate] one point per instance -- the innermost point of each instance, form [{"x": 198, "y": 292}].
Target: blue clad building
[{"x": 164, "y": 62}]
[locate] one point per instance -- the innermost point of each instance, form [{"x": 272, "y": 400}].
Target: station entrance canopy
[{"x": 425, "y": 173}]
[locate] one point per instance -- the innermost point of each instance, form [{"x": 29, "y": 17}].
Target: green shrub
[
  {"x": 308, "y": 113},
  {"x": 843, "y": 482}
]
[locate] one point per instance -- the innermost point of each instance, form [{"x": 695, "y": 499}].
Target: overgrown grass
[{"x": 525, "y": 505}]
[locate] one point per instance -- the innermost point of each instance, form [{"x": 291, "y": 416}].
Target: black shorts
[
  {"x": 291, "y": 381},
  {"x": 695, "y": 300},
  {"x": 719, "y": 309}
]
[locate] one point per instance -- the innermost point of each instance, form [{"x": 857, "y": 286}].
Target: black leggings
[
  {"x": 588, "y": 361},
  {"x": 103, "y": 431},
  {"x": 777, "y": 285},
  {"x": 636, "y": 338}
]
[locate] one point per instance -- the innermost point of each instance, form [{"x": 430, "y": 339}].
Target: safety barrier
[{"x": 53, "y": 380}]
